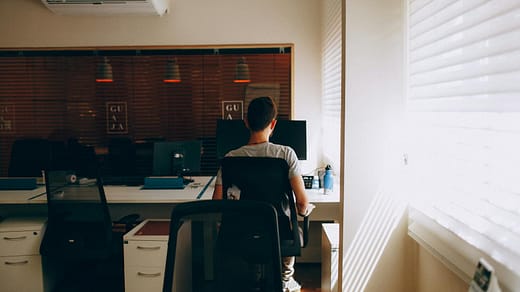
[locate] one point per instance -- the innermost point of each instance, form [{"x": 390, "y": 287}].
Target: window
[
  {"x": 53, "y": 94},
  {"x": 464, "y": 118},
  {"x": 331, "y": 76}
]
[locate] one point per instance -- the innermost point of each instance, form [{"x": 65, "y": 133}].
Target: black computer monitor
[
  {"x": 176, "y": 158},
  {"x": 232, "y": 134},
  {"x": 292, "y": 133}
]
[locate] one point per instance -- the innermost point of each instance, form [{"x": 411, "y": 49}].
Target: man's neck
[{"x": 258, "y": 137}]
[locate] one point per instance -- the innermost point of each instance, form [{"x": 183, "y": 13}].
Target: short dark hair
[{"x": 260, "y": 112}]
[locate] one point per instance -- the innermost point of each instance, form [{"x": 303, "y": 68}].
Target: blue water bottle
[{"x": 328, "y": 180}]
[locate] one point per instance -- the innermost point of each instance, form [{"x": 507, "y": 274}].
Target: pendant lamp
[
  {"x": 242, "y": 71},
  {"x": 173, "y": 74},
  {"x": 104, "y": 71}
]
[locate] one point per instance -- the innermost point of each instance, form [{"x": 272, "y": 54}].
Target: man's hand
[{"x": 307, "y": 210}]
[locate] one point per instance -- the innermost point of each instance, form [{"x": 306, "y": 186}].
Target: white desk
[
  {"x": 327, "y": 206},
  {"x": 138, "y": 195},
  {"x": 9, "y": 197},
  {"x": 156, "y": 203},
  {"x": 121, "y": 200}
]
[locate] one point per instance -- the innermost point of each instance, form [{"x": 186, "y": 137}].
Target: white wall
[
  {"x": 27, "y": 23},
  {"x": 375, "y": 105},
  {"x": 374, "y": 96},
  {"x": 395, "y": 270},
  {"x": 374, "y": 101},
  {"x": 433, "y": 275}
]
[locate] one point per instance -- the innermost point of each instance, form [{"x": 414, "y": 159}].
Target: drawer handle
[
  {"x": 149, "y": 275},
  {"x": 148, "y": 247},
  {"x": 17, "y": 263},
  {"x": 15, "y": 238}
]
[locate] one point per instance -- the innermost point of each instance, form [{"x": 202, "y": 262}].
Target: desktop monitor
[
  {"x": 176, "y": 158},
  {"x": 293, "y": 134},
  {"x": 232, "y": 134}
]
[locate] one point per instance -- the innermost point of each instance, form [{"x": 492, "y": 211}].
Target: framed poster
[
  {"x": 233, "y": 110},
  {"x": 7, "y": 118},
  {"x": 117, "y": 117}
]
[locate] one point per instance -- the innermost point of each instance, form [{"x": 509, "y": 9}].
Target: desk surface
[
  {"x": 119, "y": 194},
  {"x": 315, "y": 196},
  {"x": 201, "y": 188},
  {"x": 20, "y": 196},
  {"x": 158, "y": 204}
]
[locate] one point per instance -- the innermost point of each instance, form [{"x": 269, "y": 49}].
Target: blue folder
[
  {"x": 18, "y": 183},
  {"x": 163, "y": 182}
]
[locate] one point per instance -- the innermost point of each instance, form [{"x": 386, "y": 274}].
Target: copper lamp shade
[
  {"x": 173, "y": 75},
  {"x": 242, "y": 71},
  {"x": 104, "y": 71}
]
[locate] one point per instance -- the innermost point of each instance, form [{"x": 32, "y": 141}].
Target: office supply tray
[
  {"x": 163, "y": 182},
  {"x": 18, "y": 183}
]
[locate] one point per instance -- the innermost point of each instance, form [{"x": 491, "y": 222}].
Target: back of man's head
[{"x": 261, "y": 111}]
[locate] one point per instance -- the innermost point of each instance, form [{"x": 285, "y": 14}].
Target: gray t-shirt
[{"x": 266, "y": 149}]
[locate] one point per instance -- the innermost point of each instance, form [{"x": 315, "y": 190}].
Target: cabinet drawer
[
  {"x": 143, "y": 279},
  {"x": 21, "y": 274},
  {"x": 145, "y": 253},
  {"x": 20, "y": 243}
]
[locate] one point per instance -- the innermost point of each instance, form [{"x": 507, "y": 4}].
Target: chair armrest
[
  {"x": 129, "y": 221},
  {"x": 305, "y": 228}
]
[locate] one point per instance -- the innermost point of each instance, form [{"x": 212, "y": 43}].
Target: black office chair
[
  {"x": 81, "y": 158},
  {"x": 267, "y": 179},
  {"x": 78, "y": 241},
  {"x": 29, "y": 156},
  {"x": 144, "y": 155},
  {"x": 223, "y": 246},
  {"x": 121, "y": 156}
]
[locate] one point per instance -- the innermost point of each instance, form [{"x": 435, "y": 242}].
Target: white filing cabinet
[
  {"x": 145, "y": 248},
  {"x": 329, "y": 257},
  {"x": 21, "y": 265}
]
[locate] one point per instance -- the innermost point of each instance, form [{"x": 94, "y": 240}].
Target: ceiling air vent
[{"x": 108, "y": 7}]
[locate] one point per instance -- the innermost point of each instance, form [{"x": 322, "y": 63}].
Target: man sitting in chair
[{"x": 261, "y": 120}]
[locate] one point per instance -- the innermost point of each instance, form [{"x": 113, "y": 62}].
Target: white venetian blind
[
  {"x": 464, "y": 117},
  {"x": 331, "y": 78}
]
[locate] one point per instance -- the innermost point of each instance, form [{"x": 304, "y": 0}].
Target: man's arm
[{"x": 302, "y": 202}]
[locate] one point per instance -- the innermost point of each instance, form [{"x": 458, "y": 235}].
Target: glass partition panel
[{"x": 117, "y": 102}]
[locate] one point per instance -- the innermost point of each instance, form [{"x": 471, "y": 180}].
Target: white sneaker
[{"x": 291, "y": 286}]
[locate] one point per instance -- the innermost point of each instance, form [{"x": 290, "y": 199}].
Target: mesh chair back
[
  {"x": 29, "y": 156},
  {"x": 79, "y": 224},
  {"x": 265, "y": 179},
  {"x": 121, "y": 156},
  {"x": 223, "y": 246}
]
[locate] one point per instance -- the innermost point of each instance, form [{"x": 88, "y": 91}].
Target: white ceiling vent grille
[{"x": 108, "y": 7}]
